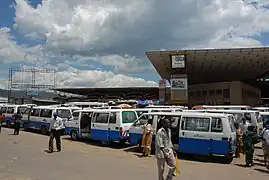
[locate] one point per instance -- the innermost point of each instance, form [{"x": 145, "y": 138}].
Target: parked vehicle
[
  {"x": 213, "y": 133},
  {"x": 105, "y": 125},
  {"x": 39, "y": 117}
]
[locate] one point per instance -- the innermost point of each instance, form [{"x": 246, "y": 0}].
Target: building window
[
  {"x": 218, "y": 91},
  {"x": 226, "y": 93},
  {"x": 204, "y": 93},
  {"x": 198, "y": 93},
  {"x": 211, "y": 92}
]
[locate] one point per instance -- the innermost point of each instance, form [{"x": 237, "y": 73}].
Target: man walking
[
  {"x": 164, "y": 151},
  {"x": 250, "y": 138},
  {"x": 56, "y": 125}
]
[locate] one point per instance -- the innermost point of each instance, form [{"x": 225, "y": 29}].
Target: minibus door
[
  {"x": 114, "y": 127},
  {"x": 85, "y": 125},
  {"x": 99, "y": 126},
  {"x": 175, "y": 123}
]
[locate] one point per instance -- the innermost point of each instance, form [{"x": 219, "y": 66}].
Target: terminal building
[
  {"x": 212, "y": 76},
  {"x": 192, "y": 77}
]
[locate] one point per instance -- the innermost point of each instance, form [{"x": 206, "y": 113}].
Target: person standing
[
  {"x": 239, "y": 141},
  {"x": 164, "y": 151},
  {"x": 2, "y": 118},
  {"x": 250, "y": 138},
  {"x": 244, "y": 126},
  {"x": 56, "y": 125},
  {"x": 17, "y": 122},
  {"x": 147, "y": 138},
  {"x": 265, "y": 144}
]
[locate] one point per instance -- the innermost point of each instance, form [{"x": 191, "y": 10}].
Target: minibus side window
[
  {"x": 64, "y": 113},
  {"x": 112, "y": 118},
  {"x": 142, "y": 120},
  {"x": 3, "y": 109},
  {"x": 248, "y": 117},
  {"x": 35, "y": 112},
  {"x": 27, "y": 111},
  {"x": 258, "y": 117},
  {"x": 75, "y": 115},
  {"x": 101, "y": 117},
  {"x": 265, "y": 117},
  {"x": 216, "y": 125},
  {"x": 196, "y": 124},
  {"x": 46, "y": 113},
  {"x": 10, "y": 110},
  {"x": 128, "y": 116},
  {"x": 232, "y": 122},
  {"x": 22, "y": 109},
  {"x": 139, "y": 113}
]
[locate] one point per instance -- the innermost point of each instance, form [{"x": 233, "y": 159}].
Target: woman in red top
[{"x": 2, "y": 118}]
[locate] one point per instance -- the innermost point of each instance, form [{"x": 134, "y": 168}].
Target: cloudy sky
[{"x": 102, "y": 43}]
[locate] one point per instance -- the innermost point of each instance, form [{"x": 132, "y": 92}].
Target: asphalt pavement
[{"x": 24, "y": 157}]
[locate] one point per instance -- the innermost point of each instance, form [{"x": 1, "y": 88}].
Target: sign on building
[
  {"x": 179, "y": 84},
  {"x": 178, "y": 61}
]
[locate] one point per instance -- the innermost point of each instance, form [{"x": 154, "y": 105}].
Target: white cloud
[
  {"x": 10, "y": 51},
  {"x": 92, "y": 26},
  {"x": 118, "y": 32}
]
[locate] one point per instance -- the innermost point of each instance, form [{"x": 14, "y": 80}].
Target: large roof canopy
[
  {"x": 215, "y": 65},
  {"x": 115, "y": 93}
]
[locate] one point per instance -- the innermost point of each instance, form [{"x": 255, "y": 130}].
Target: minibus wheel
[
  {"x": 228, "y": 160},
  {"x": 74, "y": 135},
  {"x": 122, "y": 142},
  {"x": 44, "y": 130}
]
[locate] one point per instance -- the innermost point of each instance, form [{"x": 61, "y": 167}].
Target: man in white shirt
[
  {"x": 56, "y": 125},
  {"x": 164, "y": 151},
  {"x": 244, "y": 125}
]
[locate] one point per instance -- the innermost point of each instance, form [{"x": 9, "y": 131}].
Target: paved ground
[{"x": 23, "y": 157}]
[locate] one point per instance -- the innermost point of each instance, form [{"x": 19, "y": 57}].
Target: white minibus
[
  {"x": 213, "y": 133},
  {"x": 253, "y": 117},
  {"x": 105, "y": 125},
  {"x": 39, "y": 117},
  {"x": 10, "y": 110}
]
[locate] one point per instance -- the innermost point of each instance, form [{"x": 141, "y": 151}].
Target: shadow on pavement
[
  {"x": 259, "y": 155},
  {"x": 259, "y": 160},
  {"x": 113, "y": 145},
  {"x": 241, "y": 165},
  {"x": 262, "y": 170},
  {"x": 205, "y": 159},
  {"x": 257, "y": 147}
]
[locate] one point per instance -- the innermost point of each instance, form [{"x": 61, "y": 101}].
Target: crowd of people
[{"x": 247, "y": 138}]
